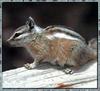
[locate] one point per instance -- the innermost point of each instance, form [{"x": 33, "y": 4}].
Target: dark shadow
[{"x": 48, "y": 65}]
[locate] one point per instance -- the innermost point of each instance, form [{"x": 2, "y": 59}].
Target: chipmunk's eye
[{"x": 17, "y": 34}]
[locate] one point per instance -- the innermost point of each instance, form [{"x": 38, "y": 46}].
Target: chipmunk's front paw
[
  {"x": 68, "y": 71},
  {"x": 28, "y": 66}
]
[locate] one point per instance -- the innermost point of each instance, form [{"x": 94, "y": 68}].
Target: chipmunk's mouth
[{"x": 12, "y": 43}]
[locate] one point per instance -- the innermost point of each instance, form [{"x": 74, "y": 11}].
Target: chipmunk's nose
[{"x": 8, "y": 41}]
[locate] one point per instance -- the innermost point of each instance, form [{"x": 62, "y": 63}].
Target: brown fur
[{"x": 59, "y": 51}]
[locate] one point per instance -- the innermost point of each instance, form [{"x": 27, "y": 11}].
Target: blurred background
[{"x": 80, "y": 17}]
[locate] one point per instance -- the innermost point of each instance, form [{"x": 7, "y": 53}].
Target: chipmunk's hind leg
[
  {"x": 71, "y": 69},
  {"x": 68, "y": 71}
]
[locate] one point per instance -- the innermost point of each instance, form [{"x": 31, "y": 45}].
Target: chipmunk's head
[{"x": 24, "y": 34}]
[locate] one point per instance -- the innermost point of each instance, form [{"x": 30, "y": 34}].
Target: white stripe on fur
[{"x": 61, "y": 35}]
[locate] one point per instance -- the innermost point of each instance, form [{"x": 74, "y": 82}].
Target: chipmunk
[{"x": 54, "y": 44}]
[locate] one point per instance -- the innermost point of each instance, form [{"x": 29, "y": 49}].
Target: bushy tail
[{"x": 93, "y": 44}]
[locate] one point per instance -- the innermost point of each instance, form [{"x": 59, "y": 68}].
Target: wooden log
[{"x": 48, "y": 76}]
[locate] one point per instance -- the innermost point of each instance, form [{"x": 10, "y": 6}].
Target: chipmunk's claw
[
  {"x": 28, "y": 66},
  {"x": 68, "y": 71}
]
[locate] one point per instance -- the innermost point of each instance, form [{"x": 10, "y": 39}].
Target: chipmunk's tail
[{"x": 92, "y": 44}]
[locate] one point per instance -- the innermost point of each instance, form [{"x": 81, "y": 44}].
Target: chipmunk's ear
[{"x": 30, "y": 22}]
